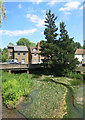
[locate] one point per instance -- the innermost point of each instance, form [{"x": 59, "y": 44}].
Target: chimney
[{"x": 38, "y": 46}]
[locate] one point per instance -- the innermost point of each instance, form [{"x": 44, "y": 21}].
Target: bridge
[{"x": 18, "y": 67}]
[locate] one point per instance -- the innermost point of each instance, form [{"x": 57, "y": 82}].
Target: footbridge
[{"x": 18, "y": 67}]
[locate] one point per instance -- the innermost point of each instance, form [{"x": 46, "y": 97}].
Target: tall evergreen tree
[
  {"x": 66, "y": 56},
  {"x": 48, "y": 47}
]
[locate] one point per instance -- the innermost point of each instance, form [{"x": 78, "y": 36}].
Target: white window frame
[{"x": 24, "y": 61}]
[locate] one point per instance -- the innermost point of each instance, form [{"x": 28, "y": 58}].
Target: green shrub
[
  {"x": 74, "y": 75},
  {"x": 14, "y": 86},
  {"x": 76, "y": 82}
]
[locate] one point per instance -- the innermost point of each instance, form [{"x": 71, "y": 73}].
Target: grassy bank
[{"x": 14, "y": 86}]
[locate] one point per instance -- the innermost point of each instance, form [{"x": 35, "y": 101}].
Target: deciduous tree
[
  {"x": 2, "y": 11},
  {"x": 24, "y": 41}
]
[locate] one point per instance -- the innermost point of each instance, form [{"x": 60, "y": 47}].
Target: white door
[{"x": 23, "y": 61}]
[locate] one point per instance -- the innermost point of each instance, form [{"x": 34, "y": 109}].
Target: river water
[{"x": 6, "y": 113}]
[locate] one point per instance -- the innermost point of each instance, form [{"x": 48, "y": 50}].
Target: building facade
[
  {"x": 34, "y": 57},
  {"x": 25, "y": 56},
  {"x": 80, "y": 55},
  {"x": 18, "y": 53}
]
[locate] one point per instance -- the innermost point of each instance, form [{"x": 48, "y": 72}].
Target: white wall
[{"x": 80, "y": 58}]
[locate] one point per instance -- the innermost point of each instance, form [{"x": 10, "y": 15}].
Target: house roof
[
  {"x": 32, "y": 50},
  {"x": 80, "y": 52},
  {"x": 18, "y": 48}
]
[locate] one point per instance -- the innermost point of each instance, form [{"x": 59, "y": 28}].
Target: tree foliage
[
  {"x": 84, "y": 45},
  {"x": 4, "y": 55},
  {"x": 49, "y": 47},
  {"x": 77, "y": 45},
  {"x": 24, "y": 41},
  {"x": 2, "y": 11},
  {"x": 58, "y": 52},
  {"x": 66, "y": 54},
  {"x": 11, "y": 43}
]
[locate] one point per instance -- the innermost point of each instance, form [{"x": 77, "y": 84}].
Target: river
[{"x": 15, "y": 113}]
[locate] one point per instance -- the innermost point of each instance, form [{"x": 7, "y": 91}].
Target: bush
[
  {"x": 15, "y": 86},
  {"x": 74, "y": 75},
  {"x": 76, "y": 82}
]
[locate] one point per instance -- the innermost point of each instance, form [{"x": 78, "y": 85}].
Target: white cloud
[
  {"x": 42, "y": 33},
  {"x": 17, "y": 32},
  {"x": 51, "y": 3},
  {"x": 38, "y": 1},
  {"x": 35, "y": 19},
  {"x": 43, "y": 11},
  {"x": 70, "y": 6},
  {"x": 67, "y": 13},
  {"x": 20, "y": 6},
  {"x": 82, "y": 7}
]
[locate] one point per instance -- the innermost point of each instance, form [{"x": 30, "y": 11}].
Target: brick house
[
  {"x": 18, "y": 53},
  {"x": 80, "y": 54},
  {"x": 34, "y": 57}
]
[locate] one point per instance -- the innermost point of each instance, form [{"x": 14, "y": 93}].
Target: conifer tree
[
  {"x": 66, "y": 56},
  {"x": 48, "y": 47}
]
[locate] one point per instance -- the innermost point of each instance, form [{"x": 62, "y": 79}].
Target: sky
[{"x": 26, "y": 20}]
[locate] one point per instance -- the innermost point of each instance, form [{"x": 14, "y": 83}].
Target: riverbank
[{"x": 49, "y": 99}]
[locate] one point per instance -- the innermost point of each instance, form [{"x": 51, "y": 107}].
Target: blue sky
[{"x": 26, "y": 19}]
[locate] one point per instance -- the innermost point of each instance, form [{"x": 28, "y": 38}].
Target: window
[
  {"x": 18, "y": 53},
  {"x": 16, "y": 60},
  {"x": 23, "y": 61},
  {"x": 35, "y": 61},
  {"x": 10, "y": 54},
  {"x": 34, "y": 49},
  {"x": 35, "y": 54},
  {"x": 24, "y": 53}
]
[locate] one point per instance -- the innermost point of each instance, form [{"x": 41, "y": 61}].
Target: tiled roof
[
  {"x": 18, "y": 48},
  {"x": 32, "y": 50},
  {"x": 80, "y": 52}
]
